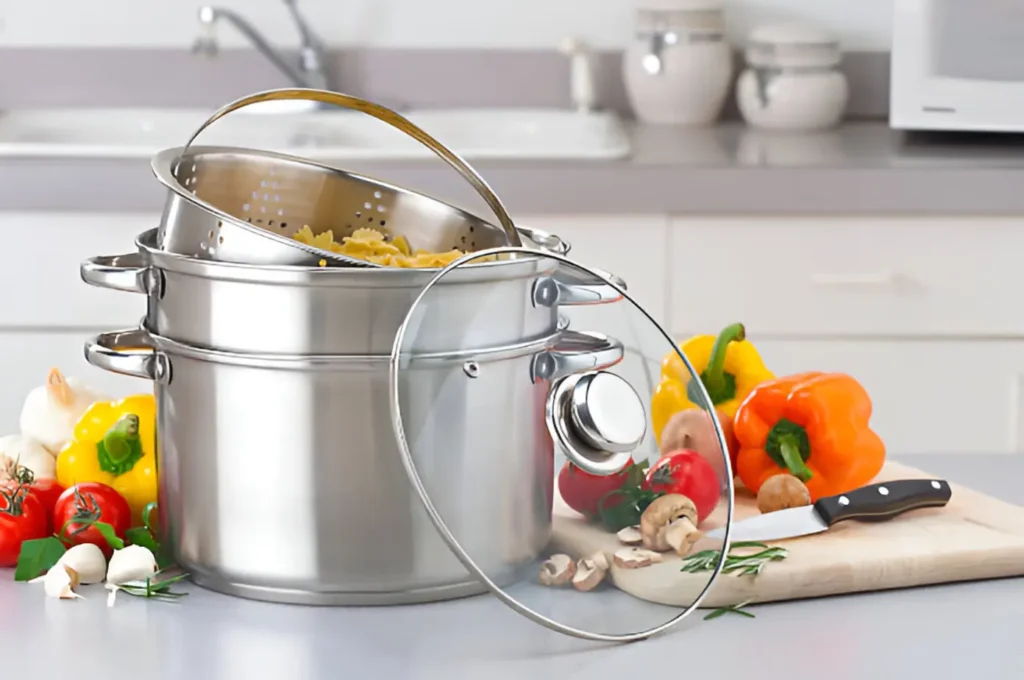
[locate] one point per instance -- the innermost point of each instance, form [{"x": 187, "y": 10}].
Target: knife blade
[{"x": 872, "y": 503}]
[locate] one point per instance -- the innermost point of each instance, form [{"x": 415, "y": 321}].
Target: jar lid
[
  {"x": 483, "y": 429},
  {"x": 792, "y": 45},
  {"x": 678, "y": 5}
]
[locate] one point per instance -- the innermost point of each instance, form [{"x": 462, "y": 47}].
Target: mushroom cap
[{"x": 665, "y": 510}]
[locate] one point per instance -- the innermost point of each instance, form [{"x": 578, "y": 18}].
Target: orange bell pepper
[{"x": 813, "y": 426}]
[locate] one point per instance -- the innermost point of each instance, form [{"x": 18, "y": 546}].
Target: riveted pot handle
[
  {"x": 576, "y": 352},
  {"x": 128, "y": 352},
  {"x": 569, "y": 290},
  {"x": 128, "y": 273},
  {"x": 545, "y": 240}
]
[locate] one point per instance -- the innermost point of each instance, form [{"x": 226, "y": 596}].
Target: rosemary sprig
[
  {"x": 740, "y": 564},
  {"x": 155, "y": 587},
  {"x": 731, "y": 609}
]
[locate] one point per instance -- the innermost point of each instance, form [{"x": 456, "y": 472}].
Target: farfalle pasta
[{"x": 370, "y": 245}]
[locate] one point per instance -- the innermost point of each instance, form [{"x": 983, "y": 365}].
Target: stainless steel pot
[
  {"x": 339, "y": 310},
  {"x": 280, "y": 477}
]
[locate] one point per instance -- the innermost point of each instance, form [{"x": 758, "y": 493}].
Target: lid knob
[
  {"x": 598, "y": 419},
  {"x": 607, "y": 413}
]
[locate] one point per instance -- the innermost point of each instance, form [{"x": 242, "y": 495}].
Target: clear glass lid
[{"x": 529, "y": 395}]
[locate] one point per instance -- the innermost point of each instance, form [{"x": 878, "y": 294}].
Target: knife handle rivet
[
  {"x": 843, "y": 500},
  {"x": 936, "y": 485},
  {"x": 883, "y": 490}
]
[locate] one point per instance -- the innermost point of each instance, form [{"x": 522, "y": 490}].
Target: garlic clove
[
  {"x": 52, "y": 410},
  {"x": 60, "y": 582},
  {"x": 25, "y": 452},
  {"x": 131, "y": 563},
  {"x": 88, "y": 560}
]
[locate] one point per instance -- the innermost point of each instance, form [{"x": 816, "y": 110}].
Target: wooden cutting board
[{"x": 974, "y": 537}]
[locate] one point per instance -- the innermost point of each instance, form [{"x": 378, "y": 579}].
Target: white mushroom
[
  {"x": 557, "y": 570},
  {"x": 630, "y": 536},
  {"x": 635, "y": 558},
  {"x": 588, "y": 575},
  {"x": 600, "y": 559},
  {"x": 670, "y": 523}
]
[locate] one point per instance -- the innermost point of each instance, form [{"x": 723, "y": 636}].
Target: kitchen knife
[{"x": 873, "y": 503}]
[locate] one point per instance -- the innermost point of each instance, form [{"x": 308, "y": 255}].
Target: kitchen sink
[{"x": 528, "y": 133}]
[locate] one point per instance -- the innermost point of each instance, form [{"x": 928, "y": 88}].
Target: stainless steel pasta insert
[{"x": 245, "y": 206}]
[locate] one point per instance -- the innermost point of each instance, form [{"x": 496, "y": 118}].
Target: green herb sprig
[
  {"x": 749, "y": 564},
  {"x": 155, "y": 587},
  {"x": 731, "y": 609}
]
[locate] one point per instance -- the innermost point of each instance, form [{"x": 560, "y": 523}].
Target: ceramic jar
[
  {"x": 678, "y": 68},
  {"x": 792, "y": 80}
]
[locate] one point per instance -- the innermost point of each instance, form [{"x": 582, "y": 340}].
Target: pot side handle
[
  {"x": 576, "y": 352},
  {"x": 565, "y": 289},
  {"x": 128, "y": 352},
  {"x": 128, "y": 273}
]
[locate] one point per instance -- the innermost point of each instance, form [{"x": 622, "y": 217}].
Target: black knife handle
[{"x": 881, "y": 502}]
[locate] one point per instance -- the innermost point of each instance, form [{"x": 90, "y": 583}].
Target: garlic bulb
[
  {"x": 51, "y": 411},
  {"x": 88, "y": 562},
  {"x": 130, "y": 563},
  {"x": 27, "y": 453}
]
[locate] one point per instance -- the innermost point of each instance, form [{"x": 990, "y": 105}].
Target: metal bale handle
[
  {"x": 128, "y": 352},
  {"x": 385, "y": 115}
]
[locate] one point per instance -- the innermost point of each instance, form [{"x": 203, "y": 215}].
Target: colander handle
[{"x": 385, "y": 115}]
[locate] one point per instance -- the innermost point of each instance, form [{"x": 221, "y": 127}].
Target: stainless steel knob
[{"x": 598, "y": 419}]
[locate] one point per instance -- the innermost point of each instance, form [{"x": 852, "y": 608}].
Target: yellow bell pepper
[
  {"x": 728, "y": 364},
  {"x": 114, "y": 443}
]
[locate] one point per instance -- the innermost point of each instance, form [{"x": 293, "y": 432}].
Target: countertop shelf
[
  {"x": 858, "y": 169},
  {"x": 963, "y": 630}
]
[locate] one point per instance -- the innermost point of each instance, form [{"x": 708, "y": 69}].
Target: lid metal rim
[{"x": 449, "y": 538}]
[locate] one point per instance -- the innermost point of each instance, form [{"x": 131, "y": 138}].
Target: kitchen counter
[
  {"x": 966, "y": 630},
  {"x": 861, "y": 168}
]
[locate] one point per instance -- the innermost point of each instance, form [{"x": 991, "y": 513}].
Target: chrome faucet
[{"x": 310, "y": 70}]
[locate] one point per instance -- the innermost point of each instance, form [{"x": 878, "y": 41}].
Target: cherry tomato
[
  {"x": 582, "y": 491},
  {"x": 47, "y": 491},
  {"x": 91, "y": 502},
  {"x": 22, "y": 518},
  {"x": 688, "y": 473}
]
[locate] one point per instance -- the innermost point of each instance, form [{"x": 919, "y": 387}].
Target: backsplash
[{"x": 509, "y": 24}]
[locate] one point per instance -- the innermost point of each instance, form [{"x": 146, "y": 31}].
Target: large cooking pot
[
  {"x": 337, "y": 310},
  {"x": 280, "y": 477}
]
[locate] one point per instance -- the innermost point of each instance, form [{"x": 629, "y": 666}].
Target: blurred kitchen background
[{"x": 732, "y": 162}]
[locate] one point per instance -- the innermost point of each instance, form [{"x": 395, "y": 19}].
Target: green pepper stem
[
  {"x": 713, "y": 376},
  {"x": 789, "y": 448}
]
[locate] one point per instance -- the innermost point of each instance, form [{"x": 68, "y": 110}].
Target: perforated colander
[{"x": 244, "y": 205}]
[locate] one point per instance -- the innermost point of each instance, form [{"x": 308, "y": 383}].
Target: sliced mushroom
[
  {"x": 674, "y": 511},
  {"x": 600, "y": 559},
  {"x": 557, "y": 570},
  {"x": 588, "y": 575},
  {"x": 635, "y": 558},
  {"x": 630, "y": 536}
]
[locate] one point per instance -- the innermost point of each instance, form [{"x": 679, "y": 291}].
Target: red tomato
[
  {"x": 688, "y": 473},
  {"x": 91, "y": 502},
  {"x": 582, "y": 491},
  {"x": 22, "y": 518},
  {"x": 47, "y": 491}
]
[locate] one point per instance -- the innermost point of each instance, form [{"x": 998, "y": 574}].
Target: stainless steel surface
[
  {"x": 308, "y": 72},
  {"x": 774, "y": 526},
  {"x": 421, "y": 411},
  {"x": 607, "y": 413},
  {"x": 280, "y": 479},
  {"x": 334, "y": 310},
  {"x": 279, "y": 194}
]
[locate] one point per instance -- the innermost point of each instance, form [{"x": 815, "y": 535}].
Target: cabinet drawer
[
  {"x": 633, "y": 247},
  {"x": 26, "y": 358},
  {"x": 851, "y": 277},
  {"x": 41, "y": 280},
  {"x": 929, "y": 397}
]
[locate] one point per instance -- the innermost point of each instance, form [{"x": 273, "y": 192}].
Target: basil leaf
[
  {"x": 143, "y": 537},
  {"x": 37, "y": 557},
  {"x": 108, "y": 533}
]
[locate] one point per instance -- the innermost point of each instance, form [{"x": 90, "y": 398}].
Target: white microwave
[{"x": 957, "y": 65}]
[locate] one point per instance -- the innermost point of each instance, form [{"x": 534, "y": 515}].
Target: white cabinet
[
  {"x": 40, "y": 279},
  {"x": 928, "y": 396},
  {"x": 926, "y": 313},
  {"x": 27, "y": 357},
  {"x": 633, "y": 247}
]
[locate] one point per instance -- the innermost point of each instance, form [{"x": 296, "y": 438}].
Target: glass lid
[{"x": 529, "y": 396}]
